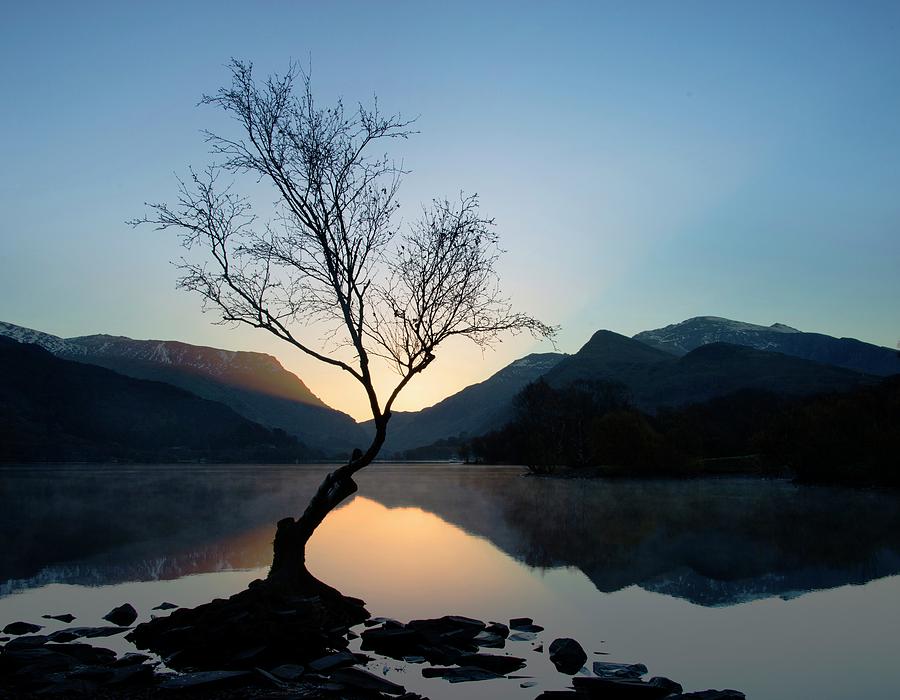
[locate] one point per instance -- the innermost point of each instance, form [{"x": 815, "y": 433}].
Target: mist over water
[{"x": 778, "y": 590}]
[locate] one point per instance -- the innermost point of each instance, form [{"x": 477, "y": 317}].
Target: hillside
[
  {"x": 59, "y": 410},
  {"x": 471, "y": 411},
  {"x": 253, "y": 384}
]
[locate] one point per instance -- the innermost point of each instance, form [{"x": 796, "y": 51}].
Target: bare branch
[{"x": 331, "y": 252}]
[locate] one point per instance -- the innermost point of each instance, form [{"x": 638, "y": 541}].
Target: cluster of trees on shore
[{"x": 841, "y": 437}]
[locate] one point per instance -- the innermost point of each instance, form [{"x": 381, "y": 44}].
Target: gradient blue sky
[{"x": 645, "y": 162}]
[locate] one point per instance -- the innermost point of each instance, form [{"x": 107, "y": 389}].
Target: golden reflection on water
[{"x": 408, "y": 562}]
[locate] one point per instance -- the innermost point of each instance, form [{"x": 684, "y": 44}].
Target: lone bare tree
[{"x": 333, "y": 252}]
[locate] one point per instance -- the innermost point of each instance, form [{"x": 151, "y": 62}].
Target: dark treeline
[{"x": 849, "y": 437}]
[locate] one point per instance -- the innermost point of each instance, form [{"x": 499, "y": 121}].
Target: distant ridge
[
  {"x": 471, "y": 411},
  {"x": 655, "y": 378},
  {"x": 53, "y": 409},
  {"x": 681, "y": 338},
  {"x": 253, "y": 384}
]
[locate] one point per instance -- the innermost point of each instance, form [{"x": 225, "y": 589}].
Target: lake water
[{"x": 778, "y": 590}]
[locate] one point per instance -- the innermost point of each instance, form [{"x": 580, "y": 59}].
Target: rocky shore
[{"x": 261, "y": 644}]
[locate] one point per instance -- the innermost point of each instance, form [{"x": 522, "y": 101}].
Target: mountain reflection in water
[{"x": 712, "y": 542}]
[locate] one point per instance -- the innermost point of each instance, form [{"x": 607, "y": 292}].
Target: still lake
[{"x": 779, "y": 590}]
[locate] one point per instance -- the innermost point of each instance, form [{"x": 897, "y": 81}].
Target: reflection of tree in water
[{"x": 710, "y": 541}]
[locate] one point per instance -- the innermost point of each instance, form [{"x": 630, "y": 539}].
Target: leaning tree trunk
[
  {"x": 290, "y": 617},
  {"x": 289, "y": 557}
]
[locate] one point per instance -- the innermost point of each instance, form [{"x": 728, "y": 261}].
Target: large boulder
[
  {"x": 122, "y": 616},
  {"x": 21, "y": 628},
  {"x": 567, "y": 655}
]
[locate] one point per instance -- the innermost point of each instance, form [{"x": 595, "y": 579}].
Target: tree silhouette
[{"x": 333, "y": 252}]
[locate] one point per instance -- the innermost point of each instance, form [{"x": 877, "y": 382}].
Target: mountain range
[
  {"x": 253, "y": 384},
  {"x": 692, "y": 361},
  {"x": 655, "y": 379},
  {"x": 53, "y": 409},
  {"x": 681, "y": 338}
]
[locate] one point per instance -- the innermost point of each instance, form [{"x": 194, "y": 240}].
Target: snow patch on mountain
[
  {"x": 50, "y": 343},
  {"x": 537, "y": 361},
  {"x": 703, "y": 330}
]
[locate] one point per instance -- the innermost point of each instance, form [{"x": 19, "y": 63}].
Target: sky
[{"x": 645, "y": 162}]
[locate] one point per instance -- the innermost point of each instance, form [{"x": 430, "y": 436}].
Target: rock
[
  {"x": 63, "y": 688},
  {"x": 27, "y": 642},
  {"x": 204, "y": 680},
  {"x": 245, "y": 656},
  {"x": 165, "y": 606},
  {"x": 524, "y": 624},
  {"x": 85, "y": 653},
  {"x": 70, "y": 633},
  {"x": 451, "y": 630},
  {"x": 269, "y": 678},
  {"x": 460, "y": 674},
  {"x": 130, "y": 659},
  {"x": 123, "y": 615},
  {"x": 527, "y": 684},
  {"x": 67, "y": 617},
  {"x": 375, "y": 621},
  {"x": 21, "y": 628},
  {"x": 560, "y": 695},
  {"x": 492, "y": 662},
  {"x": 604, "y": 669},
  {"x": 727, "y": 694},
  {"x": 95, "y": 674},
  {"x": 363, "y": 680},
  {"x": 326, "y": 663},
  {"x": 63, "y": 636},
  {"x": 132, "y": 674},
  {"x": 288, "y": 672},
  {"x": 666, "y": 683},
  {"x": 396, "y": 642},
  {"x": 567, "y": 655},
  {"x": 258, "y": 627},
  {"x": 497, "y": 628},
  {"x": 451, "y": 624},
  {"x": 619, "y": 688},
  {"x": 414, "y": 659},
  {"x": 40, "y": 660},
  {"x": 487, "y": 639},
  {"x": 522, "y": 637},
  {"x": 440, "y": 656}
]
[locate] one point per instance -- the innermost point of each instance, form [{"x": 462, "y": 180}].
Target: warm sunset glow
[{"x": 409, "y": 559}]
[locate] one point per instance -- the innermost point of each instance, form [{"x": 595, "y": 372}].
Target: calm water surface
[{"x": 778, "y": 590}]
